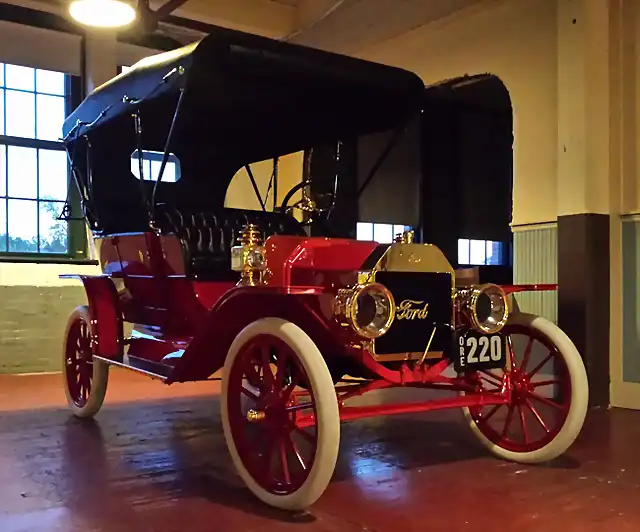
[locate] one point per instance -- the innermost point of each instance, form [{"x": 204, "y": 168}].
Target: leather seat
[{"x": 208, "y": 236}]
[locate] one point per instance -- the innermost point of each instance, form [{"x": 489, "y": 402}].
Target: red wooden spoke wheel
[
  {"x": 283, "y": 444},
  {"x": 85, "y": 380},
  {"x": 548, "y": 399}
]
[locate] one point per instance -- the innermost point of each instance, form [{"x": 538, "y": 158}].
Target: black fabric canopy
[
  {"x": 249, "y": 98},
  {"x": 244, "y": 99}
]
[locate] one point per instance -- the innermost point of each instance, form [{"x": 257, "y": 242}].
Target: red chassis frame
[{"x": 189, "y": 325}]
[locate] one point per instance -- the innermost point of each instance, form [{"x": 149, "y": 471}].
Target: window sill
[{"x": 48, "y": 260}]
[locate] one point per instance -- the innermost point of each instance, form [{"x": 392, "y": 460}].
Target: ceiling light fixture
[{"x": 103, "y": 13}]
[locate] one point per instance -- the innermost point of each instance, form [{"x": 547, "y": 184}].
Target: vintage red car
[{"x": 299, "y": 326}]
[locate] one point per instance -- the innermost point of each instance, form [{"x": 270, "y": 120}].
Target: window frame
[
  {"x": 156, "y": 157},
  {"x": 503, "y": 260},
  {"x": 394, "y": 233},
  {"x": 77, "y": 238}
]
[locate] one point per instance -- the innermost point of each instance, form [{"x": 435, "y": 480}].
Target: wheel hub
[
  {"x": 254, "y": 416},
  {"x": 274, "y": 414},
  {"x": 521, "y": 384}
]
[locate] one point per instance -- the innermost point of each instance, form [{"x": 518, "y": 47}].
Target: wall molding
[
  {"x": 534, "y": 226},
  {"x": 535, "y": 260}
]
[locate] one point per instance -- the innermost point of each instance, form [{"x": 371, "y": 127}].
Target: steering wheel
[{"x": 314, "y": 208}]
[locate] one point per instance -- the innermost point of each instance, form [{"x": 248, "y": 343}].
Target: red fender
[
  {"x": 106, "y": 321},
  {"x": 237, "y": 309},
  {"x": 513, "y": 288}
]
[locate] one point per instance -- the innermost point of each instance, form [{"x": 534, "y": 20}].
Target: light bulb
[{"x": 103, "y": 13}]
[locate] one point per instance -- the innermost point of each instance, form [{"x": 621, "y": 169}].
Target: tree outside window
[{"x": 34, "y": 172}]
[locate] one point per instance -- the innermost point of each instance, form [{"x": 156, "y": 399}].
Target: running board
[{"x": 139, "y": 365}]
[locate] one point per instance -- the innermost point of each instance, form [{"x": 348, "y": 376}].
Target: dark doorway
[
  {"x": 448, "y": 176},
  {"x": 467, "y": 174}
]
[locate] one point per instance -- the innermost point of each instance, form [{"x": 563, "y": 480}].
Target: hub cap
[
  {"x": 263, "y": 407},
  {"x": 79, "y": 362},
  {"x": 540, "y": 394}
]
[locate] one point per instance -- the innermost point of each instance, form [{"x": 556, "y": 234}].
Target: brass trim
[
  {"x": 405, "y": 238},
  {"x": 468, "y": 301},
  {"x": 412, "y": 257},
  {"x": 250, "y": 241},
  {"x": 254, "y": 416},
  {"x": 415, "y": 355},
  {"x": 345, "y": 308}
]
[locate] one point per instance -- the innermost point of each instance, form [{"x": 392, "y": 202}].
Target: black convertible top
[
  {"x": 223, "y": 103},
  {"x": 249, "y": 98}
]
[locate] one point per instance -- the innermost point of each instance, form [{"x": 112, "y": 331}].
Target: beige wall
[
  {"x": 630, "y": 117},
  {"x": 240, "y": 194},
  {"x": 103, "y": 57},
  {"x": 496, "y": 37}
]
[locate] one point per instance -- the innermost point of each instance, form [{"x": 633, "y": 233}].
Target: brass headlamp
[
  {"x": 369, "y": 309},
  {"x": 249, "y": 258},
  {"x": 484, "y": 307}
]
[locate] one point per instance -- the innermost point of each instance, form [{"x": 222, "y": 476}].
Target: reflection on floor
[{"x": 155, "y": 460}]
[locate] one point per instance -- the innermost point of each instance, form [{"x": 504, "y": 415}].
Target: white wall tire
[
  {"x": 327, "y": 429},
  {"x": 85, "y": 380},
  {"x": 577, "y": 408}
]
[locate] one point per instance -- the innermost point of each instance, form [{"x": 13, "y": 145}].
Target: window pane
[
  {"x": 53, "y": 232},
  {"x": 1, "y": 74},
  {"x": 23, "y": 226},
  {"x": 477, "y": 252},
  {"x": 364, "y": 231},
  {"x": 152, "y": 162},
  {"x": 50, "y": 82},
  {"x": 383, "y": 233},
  {"x": 494, "y": 253},
  {"x": 53, "y": 174},
  {"x": 51, "y": 115},
  {"x": 19, "y": 77},
  {"x": 21, "y": 114},
  {"x": 3, "y": 171},
  {"x": 3, "y": 225},
  {"x": 2, "y": 91},
  {"x": 135, "y": 168},
  {"x": 463, "y": 251},
  {"x": 169, "y": 174},
  {"x": 23, "y": 172}
]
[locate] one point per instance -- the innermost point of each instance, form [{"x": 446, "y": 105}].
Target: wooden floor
[{"x": 155, "y": 460}]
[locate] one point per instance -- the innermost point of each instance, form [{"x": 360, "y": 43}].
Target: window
[
  {"x": 151, "y": 163},
  {"x": 34, "y": 172},
  {"x": 480, "y": 252},
  {"x": 381, "y": 233}
]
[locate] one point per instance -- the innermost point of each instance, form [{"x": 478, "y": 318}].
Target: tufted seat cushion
[{"x": 208, "y": 236}]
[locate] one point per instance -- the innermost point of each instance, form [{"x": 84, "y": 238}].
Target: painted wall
[
  {"x": 495, "y": 37},
  {"x": 35, "y": 302},
  {"x": 240, "y": 194},
  {"x": 625, "y": 222},
  {"x": 492, "y": 37}
]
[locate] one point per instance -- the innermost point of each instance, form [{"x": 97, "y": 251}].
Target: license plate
[{"x": 476, "y": 351}]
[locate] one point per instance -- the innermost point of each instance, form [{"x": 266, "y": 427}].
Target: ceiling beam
[
  {"x": 167, "y": 8},
  {"x": 262, "y": 17}
]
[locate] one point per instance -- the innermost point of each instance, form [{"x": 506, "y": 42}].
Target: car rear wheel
[
  {"x": 286, "y": 463},
  {"x": 549, "y": 400},
  {"x": 85, "y": 379}
]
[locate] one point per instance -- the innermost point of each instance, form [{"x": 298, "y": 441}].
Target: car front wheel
[
  {"x": 549, "y": 397},
  {"x": 280, "y": 414}
]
